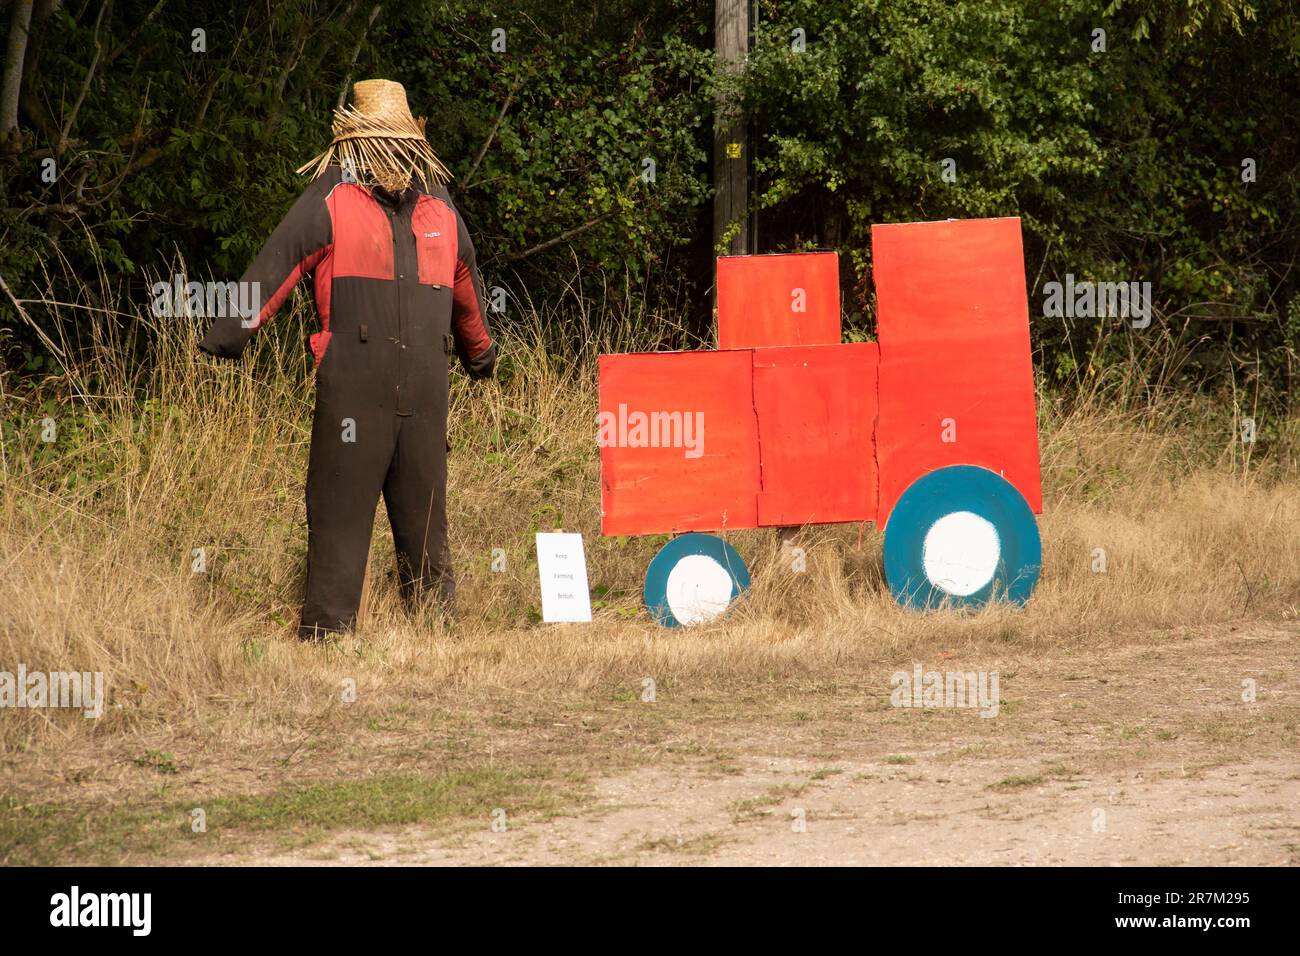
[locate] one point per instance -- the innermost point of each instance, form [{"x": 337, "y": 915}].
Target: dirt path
[
  {"x": 1151, "y": 757},
  {"x": 1248, "y": 814}
]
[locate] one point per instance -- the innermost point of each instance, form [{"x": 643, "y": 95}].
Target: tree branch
[
  {"x": 562, "y": 237},
  {"x": 356, "y": 52},
  {"x": 130, "y": 41},
  {"x": 90, "y": 75},
  {"x": 469, "y": 177}
]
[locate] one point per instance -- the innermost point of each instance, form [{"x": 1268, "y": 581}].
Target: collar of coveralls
[{"x": 396, "y": 200}]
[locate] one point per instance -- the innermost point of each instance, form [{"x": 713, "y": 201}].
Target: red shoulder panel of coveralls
[
  {"x": 363, "y": 239},
  {"x": 434, "y": 225}
]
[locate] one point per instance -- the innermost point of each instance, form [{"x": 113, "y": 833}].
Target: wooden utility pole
[{"x": 730, "y": 139}]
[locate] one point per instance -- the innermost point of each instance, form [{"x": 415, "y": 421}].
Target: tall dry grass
[{"x": 162, "y": 450}]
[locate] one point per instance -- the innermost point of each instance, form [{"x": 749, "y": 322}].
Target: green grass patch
[
  {"x": 763, "y": 804},
  {"x": 44, "y": 834},
  {"x": 1018, "y": 783}
]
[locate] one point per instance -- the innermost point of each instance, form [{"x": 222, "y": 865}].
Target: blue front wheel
[{"x": 693, "y": 579}]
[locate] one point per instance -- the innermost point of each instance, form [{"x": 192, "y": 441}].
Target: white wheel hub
[
  {"x": 961, "y": 553},
  {"x": 698, "y": 589}
]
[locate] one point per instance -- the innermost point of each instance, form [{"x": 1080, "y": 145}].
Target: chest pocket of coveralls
[{"x": 434, "y": 225}]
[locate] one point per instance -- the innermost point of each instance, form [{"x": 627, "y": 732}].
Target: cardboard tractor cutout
[{"x": 931, "y": 431}]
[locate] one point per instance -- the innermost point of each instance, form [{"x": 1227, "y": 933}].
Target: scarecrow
[{"x": 397, "y": 288}]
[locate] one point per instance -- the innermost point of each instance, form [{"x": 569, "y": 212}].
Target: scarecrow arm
[
  {"x": 296, "y": 247},
  {"x": 474, "y": 345}
]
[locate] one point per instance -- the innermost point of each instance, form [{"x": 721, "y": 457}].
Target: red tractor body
[{"x": 785, "y": 425}]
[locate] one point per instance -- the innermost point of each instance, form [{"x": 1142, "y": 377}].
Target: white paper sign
[{"x": 562, "y": 567}]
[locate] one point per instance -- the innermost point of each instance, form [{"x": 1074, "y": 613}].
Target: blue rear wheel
[{"x": 960, "y": 537}]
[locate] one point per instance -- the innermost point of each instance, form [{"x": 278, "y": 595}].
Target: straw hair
[{"x": 380, "y": 139}]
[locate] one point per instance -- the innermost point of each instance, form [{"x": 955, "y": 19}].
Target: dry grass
[{"x": 176, "y": 452}]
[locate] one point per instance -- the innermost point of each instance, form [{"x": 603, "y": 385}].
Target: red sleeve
[
  {"x": 469, "y": 323},
  {"x": 296, "y": 247}
]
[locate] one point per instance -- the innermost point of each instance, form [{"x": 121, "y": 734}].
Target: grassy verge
[
  {"x": 51, "y": 833},
  {"x": 160, "y": 539}
]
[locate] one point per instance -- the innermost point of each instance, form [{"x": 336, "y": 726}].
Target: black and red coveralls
[{"x": 396, "y": 287}]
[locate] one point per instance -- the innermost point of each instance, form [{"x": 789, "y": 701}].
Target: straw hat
[{"x": 379, "y": 137}]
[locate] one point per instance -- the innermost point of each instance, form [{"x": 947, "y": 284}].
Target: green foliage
[
  {"x": 590, "y": 98},
  {"x": 1124, "y": 164},
  {"x": 176, "y": 152}
]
